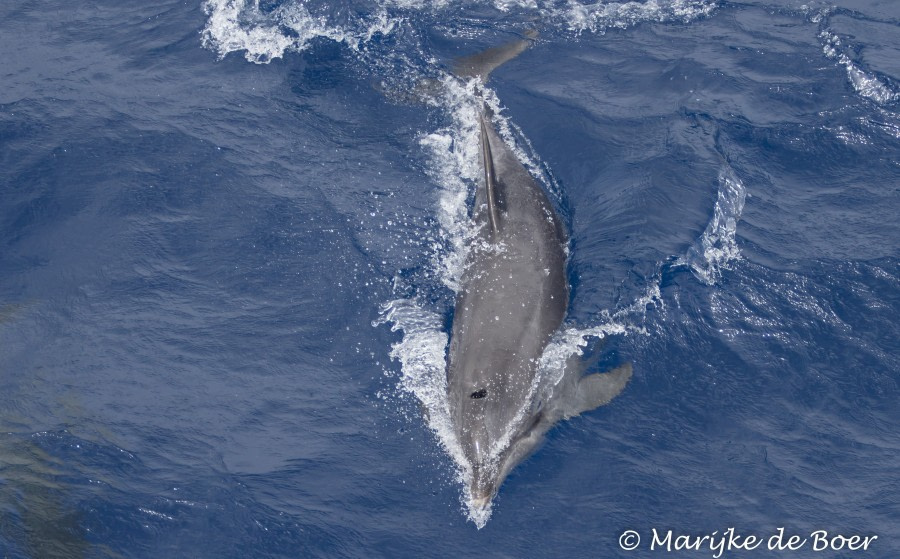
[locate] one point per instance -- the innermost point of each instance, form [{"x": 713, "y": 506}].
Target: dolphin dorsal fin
[
  {"x": 490, "y": 179},
  {"x": 483, "y": 63}
]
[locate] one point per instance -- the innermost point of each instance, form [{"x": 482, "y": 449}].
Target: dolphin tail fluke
[
  {"x": 483, "y": 63},
  {"x": 593, "y": 391}
]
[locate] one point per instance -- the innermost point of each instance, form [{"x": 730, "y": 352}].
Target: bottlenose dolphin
[{"x": 512, "y": 298}]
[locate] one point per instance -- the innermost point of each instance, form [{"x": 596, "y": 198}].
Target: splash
[
  {"x": 572, "y": 341},
  {"x": 717, "y": 248},
  {"x": 600, "y": 16},
  {"x": 236, "y": 25},
  {"x": 864, "y": 83},
  {"x": 421, "y": 354},
  {"x": 263, "y": 36},
  {"x": 454, "y": 165}
]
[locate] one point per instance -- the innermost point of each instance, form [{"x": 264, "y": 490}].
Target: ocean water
[{"x": 232, "y": 230}]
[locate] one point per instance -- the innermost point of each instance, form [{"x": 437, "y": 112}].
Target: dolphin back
[{"x": 513, "y": 297}]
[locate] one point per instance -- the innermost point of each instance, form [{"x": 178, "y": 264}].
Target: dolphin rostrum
[{"x": 512, "y": 298}]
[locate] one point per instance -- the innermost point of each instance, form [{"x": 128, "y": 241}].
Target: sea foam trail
[
  {"x": 242, "y": 26},
  {"x": 717, "y": 247}
]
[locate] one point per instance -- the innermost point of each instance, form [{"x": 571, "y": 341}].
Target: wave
[
  {"x": 265, "y": 35},
  {"x": 238, "y": 25},
  {"x": 599, "y": 17},
  {"x": 864, "y": 83},
  {"x": 717, "y": 248}
]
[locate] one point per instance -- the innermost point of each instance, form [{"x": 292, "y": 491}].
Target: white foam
[
  {"x": 238, "y": 25},
  {"x": 600, "y": 16},
  {"x": 226, "y": 32},
  {"x": 454, "y": 164},
  {"x": 717, "y": 248},
  {"x": 572, "y": 341},
  {"x": 864, "y": 83},
  {"x": 422, "y": 356},
  {"x": 508, "y": 5},
  {"x": 241, "y": 26}
]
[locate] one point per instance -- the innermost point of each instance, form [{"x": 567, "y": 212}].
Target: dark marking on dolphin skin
[{"x": 513, "y": 297}]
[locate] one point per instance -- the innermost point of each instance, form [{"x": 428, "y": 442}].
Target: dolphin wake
[
  {"x": 266, "y": 34},
  {"x": 453, "y": 165},
  {"x": 384, "y": 42}
]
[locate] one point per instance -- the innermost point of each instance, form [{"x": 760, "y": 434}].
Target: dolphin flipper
[
  {"x": 483, "y": 63},
  {"x": 593, "y": 391}
]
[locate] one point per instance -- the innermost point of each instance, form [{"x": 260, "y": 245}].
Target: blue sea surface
[{"x": 230, "y": 234}]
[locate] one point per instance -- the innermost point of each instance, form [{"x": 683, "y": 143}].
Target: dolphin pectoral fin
[
  {"x": 593, "y": 391},
  {"x": 483, "y": 63}
]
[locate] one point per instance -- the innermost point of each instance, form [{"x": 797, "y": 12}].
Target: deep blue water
[{"x": 229, "y": 235}]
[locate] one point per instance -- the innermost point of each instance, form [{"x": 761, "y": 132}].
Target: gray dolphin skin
[{"x": 513, "y": 297}]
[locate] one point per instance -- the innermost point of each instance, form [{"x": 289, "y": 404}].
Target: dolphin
[{"x": 513, "y": 296}]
